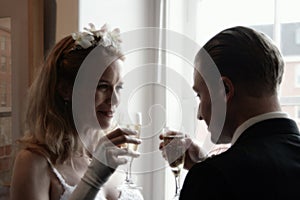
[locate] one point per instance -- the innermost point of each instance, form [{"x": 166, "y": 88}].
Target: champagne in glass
[
  {"x": 137, "y": 128},
  {"x": 175, "y": 153}
]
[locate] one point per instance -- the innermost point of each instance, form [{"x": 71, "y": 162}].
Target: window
[
  {"x": 2, "y": 42},
  {"x": 279, "y": 19},
  {"x": 298, "y": 113},
  {"x": 3, "y": 63},
  {"x": 297, "y": 76},
  {"x": 3, "y": 95},
  {"x": 297, "y": 36}
]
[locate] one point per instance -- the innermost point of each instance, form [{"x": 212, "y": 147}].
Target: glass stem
[
  {"x": 177, "y": 185},
  {"x": 129, "y": 170},
  {"x": 127, "y": 174}
]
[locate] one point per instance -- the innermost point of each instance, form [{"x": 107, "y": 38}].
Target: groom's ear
[{"x": 229, "y": 87}]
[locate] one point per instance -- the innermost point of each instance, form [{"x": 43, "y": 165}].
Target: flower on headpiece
[
  {"x": 111, "y": 39},
  {"x": 83, "y": 39},
  {"x": 102, "y": 37},
  {"x": 92, "y": 30}
]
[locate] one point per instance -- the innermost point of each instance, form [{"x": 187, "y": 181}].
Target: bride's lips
[{"x": 108, "y": 114}]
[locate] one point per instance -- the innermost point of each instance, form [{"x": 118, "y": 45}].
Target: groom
[{"x": 264, "y": 159}]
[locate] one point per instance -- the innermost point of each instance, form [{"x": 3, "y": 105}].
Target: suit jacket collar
[
  {"x": 254, "y": 120},
  {"x": 269, "y": 127}
]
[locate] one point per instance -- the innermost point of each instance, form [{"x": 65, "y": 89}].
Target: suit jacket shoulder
[
  {"x": 264, "y": 163},
  {"x": 202, "y": 182}
]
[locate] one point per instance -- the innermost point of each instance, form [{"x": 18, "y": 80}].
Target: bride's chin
[{"x": 104, "y": 124}]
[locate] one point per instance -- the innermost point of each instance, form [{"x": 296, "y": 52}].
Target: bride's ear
[{"x": 64, "y": 90}]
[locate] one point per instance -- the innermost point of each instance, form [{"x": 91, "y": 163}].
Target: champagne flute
[
  {"x": 132, "y": 147},
  {"x": 136, "y": 126},
  {"x": 175, "y": 153}
]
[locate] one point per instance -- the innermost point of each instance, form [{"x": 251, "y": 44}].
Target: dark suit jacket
[{"x": 264, "y": 163}]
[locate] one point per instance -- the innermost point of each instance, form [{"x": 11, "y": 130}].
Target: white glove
[{"x": 106, "y": 159}]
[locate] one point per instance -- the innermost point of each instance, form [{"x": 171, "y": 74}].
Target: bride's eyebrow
[
  {"x": 103, "y": 80},
  {"x": 107, "y": 82}
]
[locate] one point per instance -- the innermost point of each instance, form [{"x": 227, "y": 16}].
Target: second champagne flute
[{"x": 174, "y": 150}]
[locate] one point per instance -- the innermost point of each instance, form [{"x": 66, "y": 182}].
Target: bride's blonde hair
[{"x": 50, "y": 128}]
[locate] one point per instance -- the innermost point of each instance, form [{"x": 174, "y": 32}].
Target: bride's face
[{"x": 107, "y": 96}]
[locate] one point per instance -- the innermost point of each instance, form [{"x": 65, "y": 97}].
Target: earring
[{"x": 66, "y": 102}]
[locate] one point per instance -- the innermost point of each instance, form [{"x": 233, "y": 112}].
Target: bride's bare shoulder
[
  {"x": 30, "y": 158},
  {"x": 30, "y": 178}
]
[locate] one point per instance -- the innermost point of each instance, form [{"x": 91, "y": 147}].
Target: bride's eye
[
  {"x": 102, "y": 86},
  {"x": 119, "y": 87}
]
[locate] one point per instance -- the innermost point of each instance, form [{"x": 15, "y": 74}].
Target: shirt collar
[{"x": 271, "y": 115}]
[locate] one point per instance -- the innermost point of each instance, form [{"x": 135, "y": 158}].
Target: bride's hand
[
  {"x": 106, "y": 157},
  {"x": 109, "y": 147}
]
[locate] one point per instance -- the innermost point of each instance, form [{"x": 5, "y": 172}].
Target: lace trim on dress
[{"x": 68, "y": 189}]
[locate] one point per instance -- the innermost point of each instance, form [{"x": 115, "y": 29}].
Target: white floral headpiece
[{"x": 103, "y": 37}]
